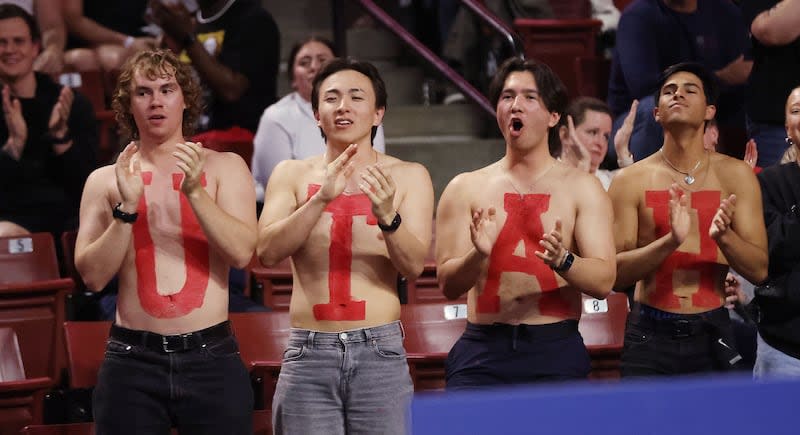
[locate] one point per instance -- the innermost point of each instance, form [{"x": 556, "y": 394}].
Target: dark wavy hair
[
  {"x": 551, "y": 88},
  {"x": 340, "y": 64},
  {"x": 156, "y": 64}
]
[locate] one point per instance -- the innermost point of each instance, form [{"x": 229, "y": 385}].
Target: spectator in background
[
  {"x": 54, "y": 34},
  {"x": 654, "y": 34},
  {"x": 778, "y": 350},
  {"x": 103, "y": 34},
  {"x": 583, "y": 137},
  {"x": 775, "y": 28},
  {"x": 288, "y": 129},
  {"x": 235, "y": 50},
  {"x": 475, "y": 50},
  {"x": 48, "y": 134}
]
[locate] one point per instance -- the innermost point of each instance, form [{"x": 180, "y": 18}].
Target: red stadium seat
[
  {"x": 86, "y": 344},
  {"x": 602, "y": 326},
  {"x": 275, "y": 284},
  {"x": 429, "y": 338},
  {"x": 20, "y": 398}
]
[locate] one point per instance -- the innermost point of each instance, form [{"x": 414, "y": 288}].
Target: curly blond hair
[{"x": 156, "y": 64}]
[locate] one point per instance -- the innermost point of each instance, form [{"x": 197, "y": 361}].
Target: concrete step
[
  {"x": 446, "y": 156},
  {"x": 434, "y": 120},
  {"x": 372, "y": 44}
]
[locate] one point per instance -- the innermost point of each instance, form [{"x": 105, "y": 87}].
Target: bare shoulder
[
  {"x": 466, "y": 183},
  {"x": 293, "y": 168},
  {"x": 628, "y": 182},
  {"x": 101, "y": 176},
  {"x": 224, "y": 161},
  {"x": 729, "y": 169}
]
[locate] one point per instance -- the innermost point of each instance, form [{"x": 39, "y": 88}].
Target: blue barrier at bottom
[{"x": 670, "y": 406}]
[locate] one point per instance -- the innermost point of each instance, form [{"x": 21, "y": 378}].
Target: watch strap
[
  {"x": 128, "y": 218},
  {"x": 392, "y": 227}
]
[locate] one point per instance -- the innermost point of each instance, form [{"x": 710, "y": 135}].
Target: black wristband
[
  {"x": 392, "y": 227},
  {"x": 568, "y": 260},
  {"x": 128, "y": 218}
]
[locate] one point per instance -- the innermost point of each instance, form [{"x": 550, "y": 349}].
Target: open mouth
[
  {"x": 343, "y": 122},
  {"x": 516, "y": 125}
]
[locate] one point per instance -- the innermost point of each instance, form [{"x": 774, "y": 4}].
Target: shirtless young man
[
  {"x": 170, "y": 218},
  {"x": 525, "y": 236},
  {"x": 682, "y": 216},
  {"x": 338, "y": 215}
]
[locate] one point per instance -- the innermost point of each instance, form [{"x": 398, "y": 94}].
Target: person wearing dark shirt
[
  {"x": 775, "y": 30},
  {"x": 48, "y": 136},
  {"x": 778, "y": 351},
  {"x": 654, "y": 34},
  {"x": 235, "y": 49}
]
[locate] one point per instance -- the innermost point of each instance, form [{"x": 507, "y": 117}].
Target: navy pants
[{"x": 502, "y": 354}]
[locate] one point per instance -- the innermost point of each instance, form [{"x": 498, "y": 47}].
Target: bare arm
[
  {"x": 409, "y": 244},
  {"x": 779, "y": 25},
  {"x": 226, "y": 83},
  {"x": 283, "y": 227},
  {"x": 594, "y": 271},
  {"x": 459, "y": 263},
  {"x": 54, "y": 36},
  {"x": 103, "y": 241},
  {"x": 736, "y": 72},
  {"x": 738, "y": 228},
  {"x": 635, "y": 263},
  {"x": 88, "y": 29},
  {"x": 229, "y": 223}
]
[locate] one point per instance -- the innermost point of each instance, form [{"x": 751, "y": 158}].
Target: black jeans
[
  {"x": 196, "y": 382},
  {"x": 502, "y": 354},
  {"x": 659, "y": 343}
]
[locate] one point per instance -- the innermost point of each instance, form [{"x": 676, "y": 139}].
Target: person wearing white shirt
[{"x": 288, "y": 129}]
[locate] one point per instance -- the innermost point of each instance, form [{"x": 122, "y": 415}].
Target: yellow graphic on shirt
[{"x": 211, "y": 41}]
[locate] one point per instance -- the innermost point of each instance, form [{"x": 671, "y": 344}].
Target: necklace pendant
[{"x": 688, "y": 179}]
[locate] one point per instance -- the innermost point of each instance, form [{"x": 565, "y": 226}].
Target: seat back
[
  {"x": 68, "y": 239},
  {"x": 262, "y": 336},
  {"x": 429, "y": 337},
  {"x": 28, "y": 258},
  {"x": 32, "y": 299},
  {"x": 275, "y": 284},
  {"x": 11, "y": 368},
  {"x": 602, "y": 323},
  {"x": 558, "y": 43},
  {"x": 86, "y": 343}
]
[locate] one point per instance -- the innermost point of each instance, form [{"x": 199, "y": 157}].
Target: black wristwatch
[
  {"x": 392, "y": 227},
  {"x": 128, "y": 218},
  {"x": 568, "y": 259}
]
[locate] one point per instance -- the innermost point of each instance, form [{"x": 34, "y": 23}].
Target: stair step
[
  {"x": 446, "y": 156},
  {"x": 456, "y": 119}
]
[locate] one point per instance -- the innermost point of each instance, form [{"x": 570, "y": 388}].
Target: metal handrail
[{"x": 457, "y": 79}]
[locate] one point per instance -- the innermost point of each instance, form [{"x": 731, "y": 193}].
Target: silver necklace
[
  {"x": 688, "y": 178},
  {"x": 215, "y": 17},
  {"x": 536, "y": 180}
]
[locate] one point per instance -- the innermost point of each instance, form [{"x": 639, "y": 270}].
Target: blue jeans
[
  {"x": 772, "y": 363},
  {"x": 351, "y": 382},
  {"x": 647, "y": 136},
  {"x": 200, "y": 386},
  {"x": 771, "y": 142},
  {"x": 503, "y": 354}
]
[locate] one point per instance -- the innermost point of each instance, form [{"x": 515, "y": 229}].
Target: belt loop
[
  {"x": 310, "y": 339},
  {"x": 402, "y": 330},
  {"x": 367, "y": 334}
]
